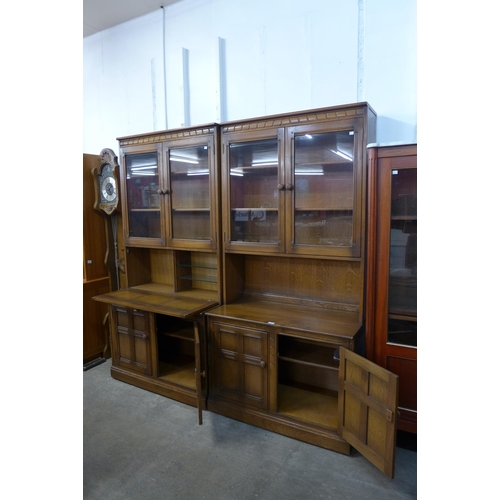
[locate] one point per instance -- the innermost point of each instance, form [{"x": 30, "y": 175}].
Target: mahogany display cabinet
[
  {"x": 170, "y": 207},
  {"x": 391, "y": 306}
]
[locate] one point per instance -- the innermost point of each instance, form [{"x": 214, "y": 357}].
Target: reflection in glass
[
  {"x": 403, "y": 256},
  {"x": 142, "y": 195},
  {"x": 254, "y": 191},
  {"x": 190, "y": 192},
  {"x": 324, "y": 188}
]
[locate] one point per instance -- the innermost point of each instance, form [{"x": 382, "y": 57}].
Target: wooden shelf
[
  {"x": 179, "y": 373},
  {"x": 191, "y": 209},
  {"x": 302, "y": 403},
  {"x": 404, "y": 217},
  {"x": 307, "y": 354}
]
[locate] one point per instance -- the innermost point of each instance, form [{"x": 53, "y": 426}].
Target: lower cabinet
[
  {"x": 160, "y": 353},
  {"x": 300, "y": 384},
  {"x": 275, "y": 380}
]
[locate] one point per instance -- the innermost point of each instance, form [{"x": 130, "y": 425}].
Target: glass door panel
[
  {"x": 254, "y": 197},
  {"x": 324, "y": 188},
  {"x": 403, "y": 258},
  {"x": 190, "y": 192},
  {"x": 143, "y": 200}
]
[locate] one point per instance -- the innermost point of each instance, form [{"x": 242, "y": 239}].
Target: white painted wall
[{"x": 227, "y": 60}]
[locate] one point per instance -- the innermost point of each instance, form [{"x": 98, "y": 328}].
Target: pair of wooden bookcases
[{"x": 243, "y": 276}]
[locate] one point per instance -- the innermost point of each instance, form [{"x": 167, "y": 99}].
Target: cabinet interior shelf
[
  {"x": 346, "y": 165},
  {"x": 181, "y": 372},
  {"x": 184, "y": 334},
  {"x": 254, "y": 209},
  {"x": 157, "y": 209},
  {"x": 404, "y": 217},
  {"x": 325, "y": 209},
  {"x": 317, "y": 407},
  {"x": 308, "y": 354},
  {"x": 201, "y": 280},
  {"x": 191, "y": 209},
  {"x": 197, "y": 266},
  {"x": 403, "y": 315},
  {"x": 308, "y": 363}
]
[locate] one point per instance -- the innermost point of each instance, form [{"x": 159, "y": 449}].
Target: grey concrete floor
[{"x": 139, "y": 445}]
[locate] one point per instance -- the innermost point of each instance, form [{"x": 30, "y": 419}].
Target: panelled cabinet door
[
  {"x": 368, "y": 402},
  {"x": 132, "y": 339},
  {"x": 240, "y": 370}
]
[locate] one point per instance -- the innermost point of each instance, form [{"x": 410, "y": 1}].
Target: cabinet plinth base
[
  {"x": 158, "y": 386},
  {"x": 276, "y": 423}
]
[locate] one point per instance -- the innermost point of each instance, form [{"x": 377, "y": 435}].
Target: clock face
[
  {"x": 108, "y": 189},
  {"x": 107, "y": 196}
]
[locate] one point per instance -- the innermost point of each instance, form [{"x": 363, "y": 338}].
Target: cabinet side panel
[{"x": 94, "y": 225}]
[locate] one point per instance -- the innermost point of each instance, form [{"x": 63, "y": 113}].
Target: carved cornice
[
  {"x": 295, "y": 119},
  {"x": 166, "y": 135}
]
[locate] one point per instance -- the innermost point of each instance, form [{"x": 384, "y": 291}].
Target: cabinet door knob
[
  {"x": 281, "y": 187},
  {"x": 263, "y": 364},
  {"x": 160, "y": 191},
  {"x": 289, "y": 187},
  {"x": 165, "y": 191}
]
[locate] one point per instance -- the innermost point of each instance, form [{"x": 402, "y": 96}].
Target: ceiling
[{"x": 99, "y": 15}]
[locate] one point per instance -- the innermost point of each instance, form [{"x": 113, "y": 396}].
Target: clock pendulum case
[{"x": 107, "y": 203}]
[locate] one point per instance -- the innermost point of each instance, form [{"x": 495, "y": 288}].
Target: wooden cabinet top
[
  {"x": 300, "y": 117},
  {"x": 178, "y": 304},
  {"x": 314, "y": 321}
]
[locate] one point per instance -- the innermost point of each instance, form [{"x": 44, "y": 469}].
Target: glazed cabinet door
[
  {"x": 191, "y": 193},
  {"x": 142, "y": 184},
  {"x": 253, "y": 187},
  {"x": 132, "y": 337},
  {"x": 239, "y": 368},
  {"x": 324, "y": 188}
]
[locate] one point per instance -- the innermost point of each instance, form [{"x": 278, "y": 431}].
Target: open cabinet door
[
  {"x": 197, "y": 354},
  {"x": 368, "y": 402}
]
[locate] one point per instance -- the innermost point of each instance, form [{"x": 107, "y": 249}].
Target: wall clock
[
  {"x": 107, "y": 203},
  {"x": 106, "y": 183}
]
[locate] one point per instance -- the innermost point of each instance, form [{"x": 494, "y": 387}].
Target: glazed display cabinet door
[
  {"x": 240, "y": 368},
  {"x": 132, "y": 339},
  {"x": 324, "y": 187},
  {"x": 191, "y": 194},
  {"x": 142, "y": 184},
  {"x": 255, "y": 182}
]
